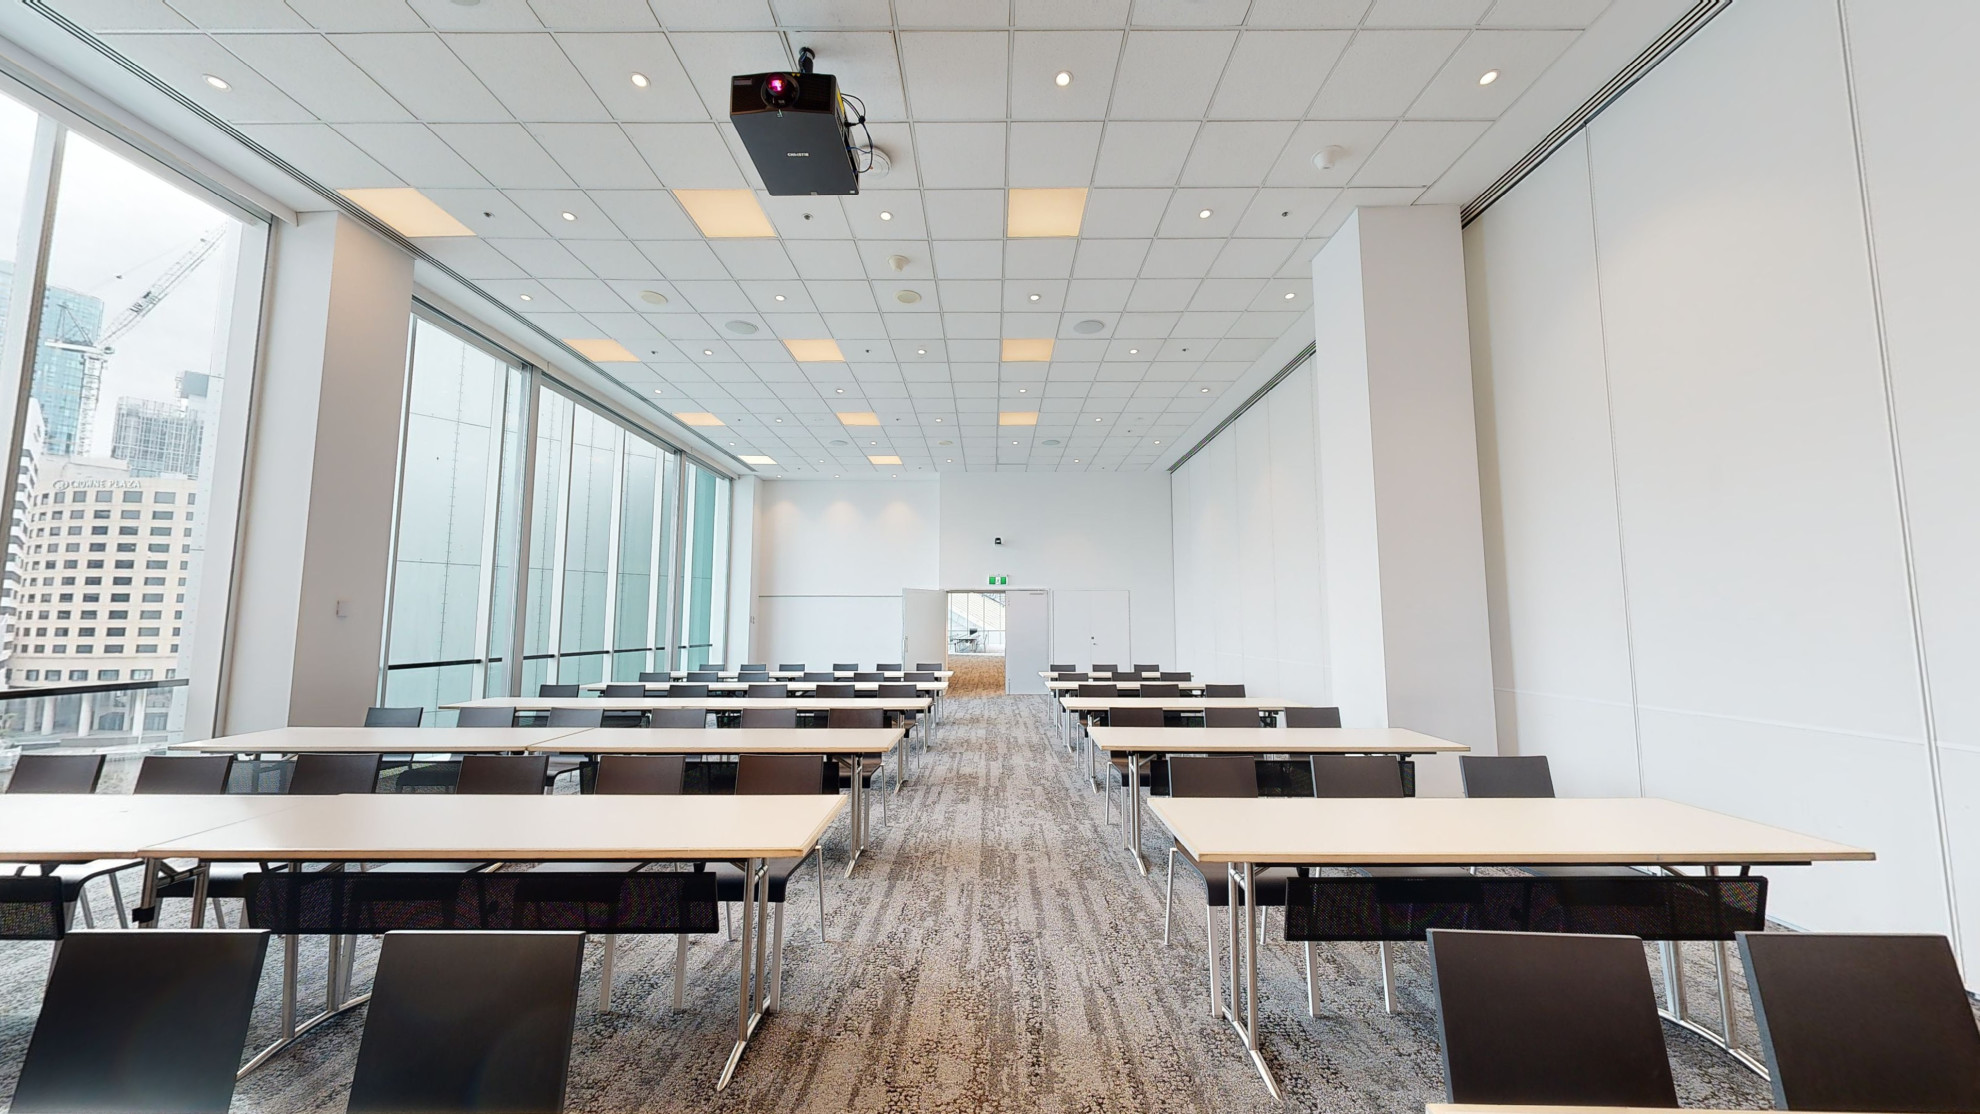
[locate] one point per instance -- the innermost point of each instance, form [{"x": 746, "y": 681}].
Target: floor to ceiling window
[
  {"x": 119, "y": 312},
  {"x": 704, "y": 589}
]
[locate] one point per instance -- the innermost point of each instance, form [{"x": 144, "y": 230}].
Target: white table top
[
  {"x": 1048, "y": 674},
  {"x": 844, "y": 674},
  {"x": 74, "y": 827},
  {"x": 1475, "y": 1108},
  {"x": 713, "y": 704},
  {"x": 418, "y": 827},
  {"x": 793, "y": 686},
  {"x": 1175, "y": 703},
  {"x": 742, "y": 740},
  {"x": 1457, "y": 831},
  {"x": 1271, "y": 740},
  {"x": 1127, "y": 685},
  {"x": 381, "y": 740}
]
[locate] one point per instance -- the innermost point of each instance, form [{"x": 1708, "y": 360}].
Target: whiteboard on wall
[{"x": 819, "y": 630}]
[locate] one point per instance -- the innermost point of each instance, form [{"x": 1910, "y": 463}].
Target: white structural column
[
  {"x": 1403, "y": 553},
  {"x": 310, "y": 586}
]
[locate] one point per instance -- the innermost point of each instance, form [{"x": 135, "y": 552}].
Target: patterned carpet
[{"x": 994, "y": 951}]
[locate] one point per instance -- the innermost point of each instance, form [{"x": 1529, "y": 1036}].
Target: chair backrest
[
  {"x": 1356, "y": 775},
  {"x": 918, "y": 675},
  {"x": 717, "y": 666},
  {"x": 783, "y": 775},
  {"x": 769, "y": 691},
  {"x": 393, "y": 717},
  {"x": 325, "y": 775},
  {"x": 56, "y": 773},
  {"x": 1134, "y": 717},
  {"x": 205, "y": 773},
  {"x": 890, "y": 666},
  {"x": 1228, "y": 717},
  {"x": 869, "y": 675},
  {"x": 704, "y": 675},
  {"x": 1174, "y": 676},
  {"x": 935, "y": 666},
  {"x": 557, "y": 690},
  {"x": 1152, "y": 688},
  {"x": 844, "y": 666},
  {"x": 678, "y": 717},
  {"x": 576, "y": 717},
  {"x": 790, "y": 667},
  {"x": 1859, "y": 1022},
  {"x": 755, "y": 667},
  {"x": 835, "y": 690},
  {"x": 697, "y": 692},
  {"x": 469, "y": 1021},
  {"x": 820, "y": 675},
  {"x": 1139, "y": 668},
  {"x": 1097, "y": 689},
  {"x": 513, "y": 774},
  {"x": 656, "y": 678},
  {"x": 640, "y": 773},
  {"x": 1062, "y": 667},
  {"x": 1069, "y": 676},
  {"x": 143, "y": 1021},
  {"x": 1223, "y": 690},
  {"x": 625, "y": 691},
  {"x": 1221, "y": 775},
  {"x": 1104, "y": 667},
  {"x": 485, "y": 717},
  {"x": 1522, "y": 775},
  {"x": 1312, "y": 717},
  {"x": 748, "y": 676},
  {"x": 1543, "y": 1019},
  {"x": 855, "y": 717},
  {"x": 897, "y": 690},
  {"x": 769, "y": 717}
]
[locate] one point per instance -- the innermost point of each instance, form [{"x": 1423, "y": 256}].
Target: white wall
[{"x": 1725, "y": 398}]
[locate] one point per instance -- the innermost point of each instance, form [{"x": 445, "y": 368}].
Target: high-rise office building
[
  {"x": 159, "y": 438},
  {"x": 66, "y": 379}
]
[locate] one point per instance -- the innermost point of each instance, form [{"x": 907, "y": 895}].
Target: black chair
[
  {"x": 557, "y": 691},
  {"x": 1104, "y": 667},
  {"x": 200, "y": 775},
  {"x": 715, "y": 666},
  {"x": 779, "y": 775},
  {"x": 856, "y": 718},
  {"x": 820, "y": 675},
  {"x": 1140, "y": 668},
  {"x": 576, "y": 717},
  {"x": 324, "y": 775},
  {"x": 1543, "y": 1019},
  {"x": 869, "y": 675},
  {"x": 1058, "y": 667},
  {"x": 652, "y": 774},
  {"x": 624, "y": 691},
  {"x": 768, "y": 692},
  {"x": 844, "y": 666},
  {"x": 901, "y": 690},
  {"x": 890, "y": 666},
  {"x": 1863, "y": 1022},
  {"x": 1312, "y": 717},
  {"x": 678, "y": 717},
  {"x": 934, "y": 667},
  {"x": 464, "y": 1021},
  {"x": 790, "y": 667},
  {"x": 1223, "y": 775},
  {"x": 56, "y": 773},
  {"x": 393, "y": 717},
  {"x": 1133, "y": 783},
  {"x": 1157, "y": 688},
  {"x": 755, "y": 667},
  {"x": 486, "y": 717},
  {"x": 835, "y": 691},
  {"x": 688, "y": 692},
  {"x": 704, "y": 675},
  {"x": 1229, "y": 717},
  {"x": 769, "y": 717},
  {"x": 141, "y": 1022},
  {"x": 1223, "y": 690},
  {"x": 1506, "y": 775},
  {"x": 656, "y": 678},
  {"x": 504, "y": 774},
  {"x": 1070, "y": 676},
  {"x": 918, "y": 675},
  {"x": 1173, "y": 676}
]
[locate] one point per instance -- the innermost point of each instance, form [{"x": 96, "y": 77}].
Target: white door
[
  {"x": 1027, "y": 639},
  {"x": 924, "y": 625},
  {"x": 1091, "y": 626}
]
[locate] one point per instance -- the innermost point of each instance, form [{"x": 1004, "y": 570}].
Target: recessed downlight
[
  {"x": 524, "y": 298},
  {"x": 921, "y": 351},
  {"x": 1200, "y": 390},
  {"x": 1034, "y": 297},
  {"x": 218, "y": 82},
  {"x": 1291, "y": 294},
  {"x": 1062, "y": 79},
  {"x": 1089, "y": 326},
  {"x": 639, "y": 80},
  {"x": 907, "y": 297},
  {"x": 653, "y": 297},
  {"x": 567, "y": 215},
  {"x": 1134, "y": 351},
  {"x": 708, "y": 351},
  {"x": 745, "y": 328},
  {"x": 885, "y": 215},
  {"x": 1488, "y": 77},
  {"x": 1203, "y": 214}
]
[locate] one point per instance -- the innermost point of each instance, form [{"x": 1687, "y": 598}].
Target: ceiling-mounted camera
[{"x": 797, "y": 131}]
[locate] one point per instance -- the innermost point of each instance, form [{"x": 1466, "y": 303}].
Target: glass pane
[
  {"x": 17, "y": 128},
  {"x": 663, "y": 597},
  {"x": 632, "y": 607},
  {"x": 508, "y": 536},
  {"x": 128, "y": 377},
  {"x": 699, "y": 631},
  {"x": 595, "y": 443},
  {"x": 547, "y": 505}
]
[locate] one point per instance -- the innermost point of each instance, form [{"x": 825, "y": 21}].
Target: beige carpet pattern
[{"x": 993, "y": 951}]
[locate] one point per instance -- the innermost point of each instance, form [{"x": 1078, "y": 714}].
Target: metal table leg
[
  {"x": 1244, "y": 952},
  {"x": 856, "y": 825},
  {"x": 1678, "y": 1004},
  {"x": 746, "y": 1013}
]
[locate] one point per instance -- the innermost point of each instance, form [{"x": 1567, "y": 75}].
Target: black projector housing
[{"x": 794, "y": 126}]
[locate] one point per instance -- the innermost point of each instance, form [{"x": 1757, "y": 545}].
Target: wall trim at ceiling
[{"x": 1292, "y": 365}]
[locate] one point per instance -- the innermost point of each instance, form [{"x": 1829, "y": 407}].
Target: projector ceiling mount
[{"x": 798, "y": 131}]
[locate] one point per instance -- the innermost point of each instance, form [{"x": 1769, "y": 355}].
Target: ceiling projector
[{"x": 796, "y": 130}]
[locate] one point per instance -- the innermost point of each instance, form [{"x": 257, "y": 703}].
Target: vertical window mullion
[{"x": 23, "y": 326}]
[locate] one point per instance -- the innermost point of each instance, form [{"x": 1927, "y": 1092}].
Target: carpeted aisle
[{"x": 994, "y": 951}]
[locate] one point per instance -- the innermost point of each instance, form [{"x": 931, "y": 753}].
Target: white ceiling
[{"x": 511, "y": 112}]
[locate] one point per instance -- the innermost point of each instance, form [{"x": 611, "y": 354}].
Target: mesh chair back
[
  {"x": 844, "y": 666},
  {"x": 890, "y": 666},
  {"x": 756, "y": 667},
  {"x": 855, "y": 717},
  {"x": 784, "y": 775},
  {"x": 656, "y": 678},
  {"x": 1175, "y": 676},
  {"x": 469, "y": 1021},
  {"x": 143, "y": 1021},
  {"x": 1069, "y": 677},
  {"x": 1228, "y": 717},
  {"x": 756, "y": 676},
  {"x": 486, "y": 717},
  {"x": 1548, "y": 1020},
  {"x": 757, "y": 692},
  {"x": 935, "y": 666},
  {"x": 640, "y": 773},
  {"x": 510, "y": 774},
  {"x": 324, "y": 775},
  {"x": 393, "y": 717},
  {"x": 576, "y": 717},
  {"x": 904, "y": 690},
  {"x": 1104, "y": 667},
  {"x": 1139, "y": 668},
  {"x": 918, "y": 675},
  {"x": 56, "y": 773},
  {"x": 679, "y": 717},
  {"x": 625, "y": 692},
  {"x": 835, "y": 691},
  {"x": 556, "y": 690},
  {"x": 717, "y": 666},
  {"x": 790, "y": 667},
  {"x": 1524, "y": 775},
  {"x": 206, "y": 773},
  {"x": 1223, "y": 690},
  {"x": 32, "y": 908},
  {"x": 1222, "y": 775},
  {"x": 704, "y": 675},
  {"x": 769, "y": 717},
  {"x": 1852, "y": 1022},
  {"x": 1313, "y": 717},
  {"x": 820, "y": 675},
  {"x": 1356, "y": 775},
  {"x": 1063, "y": 667},
  {"x": 1134, "y": 717},
  {"x": 694, "y": 692},
  {"x": 1097, "y": 689},
  {"x": 1152, "y": 688},
  {"x": 869, "y": 675}
]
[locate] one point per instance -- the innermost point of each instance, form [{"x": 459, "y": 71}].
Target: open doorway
[{"x": 976, "y": 642}]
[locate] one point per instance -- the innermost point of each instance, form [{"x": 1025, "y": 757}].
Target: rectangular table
[
  {"x": 792, "y": 674},
  {"x": 76, "y": 827},
  {"x": 723, "y": 704},
  {"x": 795, "y": 686},
  {"x": 1141, "y": 744},
  {"x": 380, "y": 740},
  {"x": 1245, "y": 834},
  {"x": 363, "y": 828}
]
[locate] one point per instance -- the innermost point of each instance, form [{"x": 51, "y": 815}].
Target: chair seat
[
  {"x": 585, "y": 868},
  {"x": 729, "y": 879},
  {"x": 1271, "y": 882},
  {"x": 867, "y": 767},
  {"x": 75, "y": 875}
]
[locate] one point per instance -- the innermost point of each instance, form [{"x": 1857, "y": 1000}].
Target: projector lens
[{"x": 780, "y": 90}]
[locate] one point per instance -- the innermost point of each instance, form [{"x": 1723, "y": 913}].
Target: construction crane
[{"x": 96, "y": 355}]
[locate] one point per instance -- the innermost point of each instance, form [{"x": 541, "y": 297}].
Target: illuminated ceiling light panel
[
  {"x": 884, "y": 459},
  {"x": 749, "y": 459},
  {"x": 693, "y": 417},
  {"x": 858, "y": 417},
  {"x": 408, "y": 212},
  {"x": 1017, "y": 417},
  {"x": 601, "y": 350},
  {"x": 1035, "y": 213},
  {"x": 1027, "y": 350},
  {"x": 726, "y": 214},
  {"x": 822, "y": 351}
]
